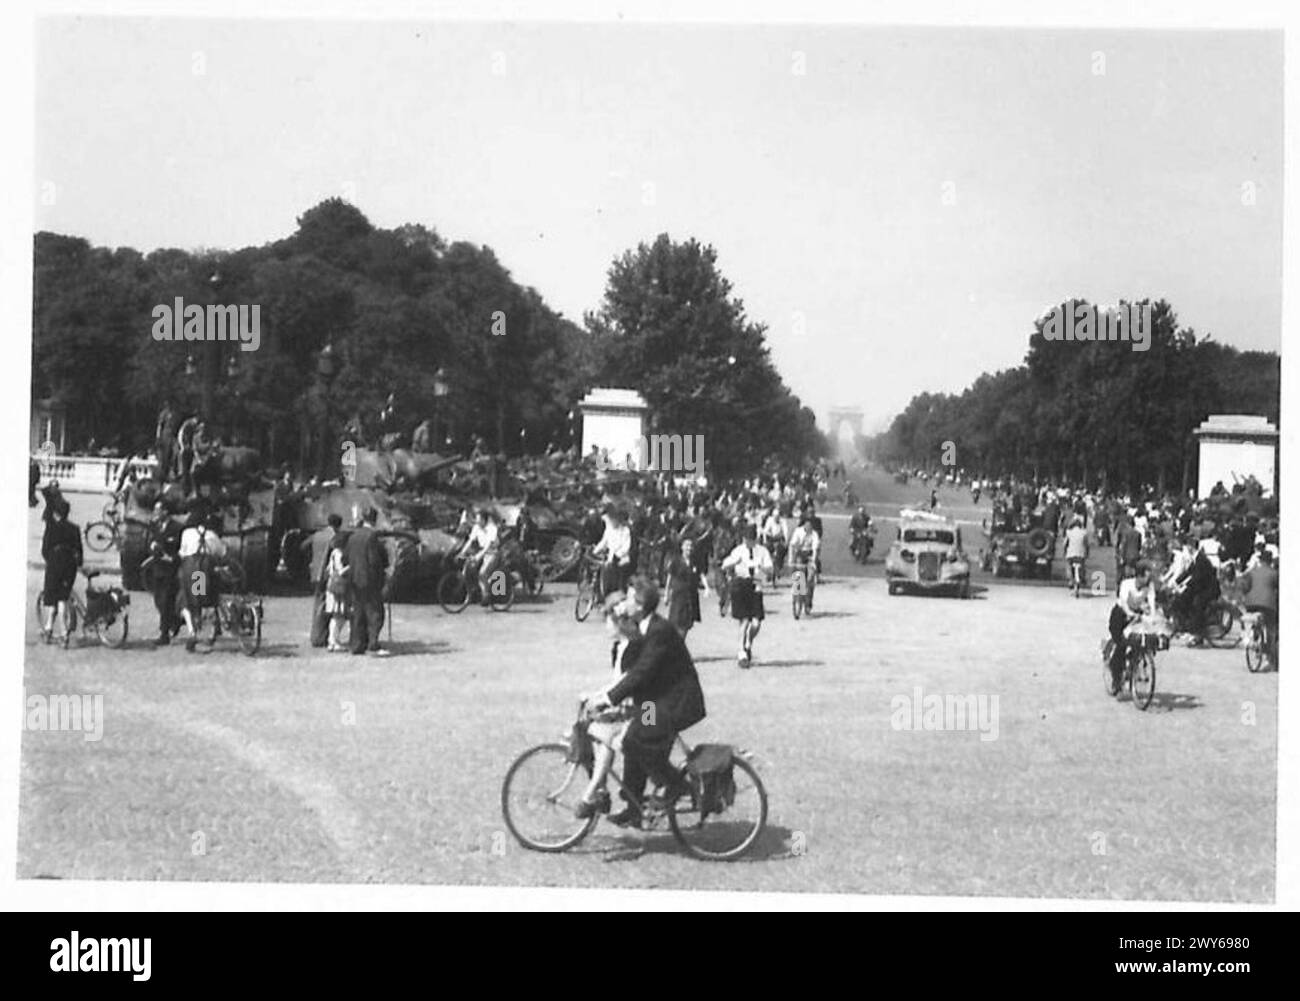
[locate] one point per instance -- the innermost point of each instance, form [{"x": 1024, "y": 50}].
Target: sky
[{"x": 895, "y": 205}]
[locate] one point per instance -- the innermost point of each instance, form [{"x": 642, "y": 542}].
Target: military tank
[
  {"x": 419, "y": 499},
  {"x": 229, "y": 482}
]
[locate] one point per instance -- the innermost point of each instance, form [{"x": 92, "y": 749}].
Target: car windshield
[{"x": 942, "y": 535}]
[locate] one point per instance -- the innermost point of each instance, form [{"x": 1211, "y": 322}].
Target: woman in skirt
[
  {"x": 750, "y": 562},
  {"x": 201, "y": 548},
  {"x": 61, "y": 550},
  {"x": 684, "y": 585},
  {"x": 336, "y": 593}
]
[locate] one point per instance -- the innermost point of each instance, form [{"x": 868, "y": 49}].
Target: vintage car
[{"x": 927, "y": 555}]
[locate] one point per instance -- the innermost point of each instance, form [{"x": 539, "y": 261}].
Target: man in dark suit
[
  {"x": 367, "y": 558},
  {"x": 164, "y": 560},
  {"x": 320, "y": 543},
  {"x": 667, "y": 698}
]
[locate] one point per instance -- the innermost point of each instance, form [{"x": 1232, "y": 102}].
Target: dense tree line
[
  {"x": 1094, "y": 412},
  {"x": 670, "y": 327},
  {"x": 395, "y": 307}
]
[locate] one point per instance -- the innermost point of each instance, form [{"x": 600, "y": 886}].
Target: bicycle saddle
[{"x": 89, "y": 574}]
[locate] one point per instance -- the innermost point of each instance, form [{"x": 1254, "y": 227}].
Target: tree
[{"x": 669, "y": 327}]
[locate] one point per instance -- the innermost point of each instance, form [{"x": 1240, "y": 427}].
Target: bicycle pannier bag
[{"x": 712, "y": 765}]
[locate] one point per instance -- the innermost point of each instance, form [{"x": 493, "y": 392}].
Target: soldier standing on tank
[{"x": 165, "y": 440}]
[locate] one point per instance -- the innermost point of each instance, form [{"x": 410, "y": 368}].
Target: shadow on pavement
[{"x": 773, "y": 845}]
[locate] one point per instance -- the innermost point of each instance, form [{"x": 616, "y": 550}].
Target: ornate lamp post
[
  {"x": 327, "y": 370},
  {"x": 440, "y": 390}
]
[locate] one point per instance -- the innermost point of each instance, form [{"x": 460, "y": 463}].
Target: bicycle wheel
[
  {"x": 586, "y": 599},
  {"x": 245, "y": 621},
  {"x": 1255, "y": 650},
  {"x": 453, "y": 592},
  {"x": 1107, "y": 675},
  {"x": 724, "y": 598},
  {"x": 538, "y": 797},
  {"x": 797, "y": 599},
  {"x": 112, "y": 629},
  {"x": 100, "y": 536},
  {"x": 725, "y": 835},
  {"x": 1143, "y": 680},
  {"x": 501, "y": 590}
]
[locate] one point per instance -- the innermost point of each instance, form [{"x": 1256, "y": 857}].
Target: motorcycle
[{"x": 860, "y": 547}]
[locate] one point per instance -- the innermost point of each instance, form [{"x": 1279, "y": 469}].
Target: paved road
[{"x": 298, "y": 765}]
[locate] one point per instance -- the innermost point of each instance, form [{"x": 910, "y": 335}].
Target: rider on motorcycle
[{"x": 860, "y": 528}]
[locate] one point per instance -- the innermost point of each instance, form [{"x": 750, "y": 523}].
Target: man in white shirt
[
  {"x": 775, "y": 539},
  {"x": 480, "y": 550}
]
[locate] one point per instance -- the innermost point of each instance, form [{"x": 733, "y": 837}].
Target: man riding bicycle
[
  {"x": 481, "y": 550},
  {"x": 1137, "y": 597},
  {"x": 667, "y": 699},
  {"x": 805, "y": 546},
  {"x": 1259, "y": 591},
  {"x": 774, "y": 538}
]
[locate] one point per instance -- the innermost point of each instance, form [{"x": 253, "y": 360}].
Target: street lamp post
[
  {"x": 327, "y": 369},
  {"x": 440, "y": 390}
]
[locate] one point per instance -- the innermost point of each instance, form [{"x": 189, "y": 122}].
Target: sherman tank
[
  {"x": 419, "y": 499},
  {"x": 230, "y": 482}
]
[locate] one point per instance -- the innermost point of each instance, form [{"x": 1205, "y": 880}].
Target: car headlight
[{"x": 908, "y": 556}]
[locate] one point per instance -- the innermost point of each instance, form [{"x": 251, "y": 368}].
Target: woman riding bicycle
[
  {"x": 1137, "y": 597},
  {"x": 615, "y": 546},
  {"x": 609, "y": 725},
  {"x": 1076, "y": 553}
]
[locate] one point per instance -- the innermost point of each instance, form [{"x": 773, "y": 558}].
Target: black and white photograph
[{"x": 612, "y": 455}]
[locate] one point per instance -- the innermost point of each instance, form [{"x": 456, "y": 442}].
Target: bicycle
[
  {"x": 239, "y": 613},
  {"x": 1076, "y": 576},
  {"x": 459, "y": 587},
  {"x": 1261, "y": 643},
  {"x": 1139, "y": 673},
  {"x": 544, "y": 784},
  {"x": 102, "y": 613},
  {"x": 591, "y": 587},
  {"x": 776, "y": 546},
  {"x": 722, "y": 584},
  {"x": 106, "y": 533},
  {"x": 799, "y": 587}
]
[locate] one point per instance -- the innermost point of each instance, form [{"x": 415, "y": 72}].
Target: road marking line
[{"x": 339, "y": 821}]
